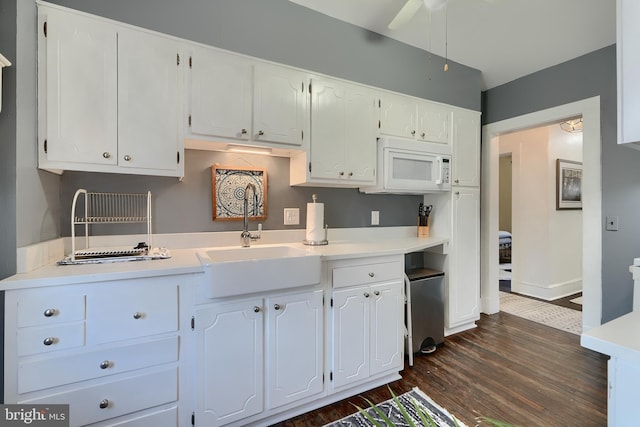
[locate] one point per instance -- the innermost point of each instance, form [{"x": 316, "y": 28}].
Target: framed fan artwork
[{"x": 229, "y": 184}]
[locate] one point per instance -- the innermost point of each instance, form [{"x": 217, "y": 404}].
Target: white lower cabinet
[
  {"x": 257, "y": 354},
  {"x": 367, "y": 322},
  {"x": 110, "y": 350}
]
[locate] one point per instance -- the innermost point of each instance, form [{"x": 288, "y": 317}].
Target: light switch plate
[
  {"x": 612, "y": 223},
  {"x": 375, "y": 217},
  {"x": 291, "y": 216}
]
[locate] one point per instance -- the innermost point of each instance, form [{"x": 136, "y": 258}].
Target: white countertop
[
  {"x": 617, "y": 338},
  {"x": 348, "y": 244}
]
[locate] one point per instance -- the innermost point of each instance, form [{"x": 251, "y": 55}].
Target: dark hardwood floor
[{"x": 507, "y": 368}]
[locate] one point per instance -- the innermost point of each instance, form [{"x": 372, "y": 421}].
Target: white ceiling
[{"x": 505, "y": 39}]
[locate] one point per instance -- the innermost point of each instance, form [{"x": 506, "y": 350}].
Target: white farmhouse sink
[{"x": 237, "y": 271}]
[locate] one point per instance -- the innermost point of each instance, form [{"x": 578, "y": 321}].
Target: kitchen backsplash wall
[{"x": 186, "y": 206}]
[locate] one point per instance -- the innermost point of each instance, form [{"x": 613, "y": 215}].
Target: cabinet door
[
  {"x": 397, "y": 115},
  {"x": 81, "y": 89},
  {"x": 149, "y": 77},
  {"x": 295, "y": 350},
  {"x": 360, "y": 149},
  {"x": 463, "y": 296},
  {"x": 433, "y": 122},
  {"x": 351, "y": 318},
  {"x": 466, "y": 148},
  {"x": 279, "y": 105},
  {"x": 220, "y": 94},
  {"x": 328, "y": 137},
  {"x": 628, "y": 65},
  {"x": 387, "y": 327},
  {"x": 229, "y": 366}
]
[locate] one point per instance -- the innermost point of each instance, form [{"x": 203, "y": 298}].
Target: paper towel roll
[{"x": 315, "y": 222}]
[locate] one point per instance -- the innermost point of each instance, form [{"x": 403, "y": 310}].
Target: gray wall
[
  {"x": 590, "y": 75},
  {"x": 7, "y": 158},
  {"x": 280, "y": 31},
  {"x": 187, "y": 206},
  {"x": 284, "y": 32}
]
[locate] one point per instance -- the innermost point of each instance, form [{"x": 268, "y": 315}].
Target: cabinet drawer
[
  {"x": 103, "y": 401},
  {"x": 49, "y": 306},
  {"x": 366, "y": 274},
  {"x": 43, "y": 339},
  {"x": 163, "y": 418},
  {"x": 52, "y": 372},
  {"x": 131, "y": 311}
]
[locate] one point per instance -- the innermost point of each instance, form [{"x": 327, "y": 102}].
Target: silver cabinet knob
[
  {"x": 106, "y": 155},
  {"x": 105, "y": 364},
  {"x": 422, "y": 134},
  {"x": 276, "y": 307},
  {"x": 243, "y": 131},
  {"x": 371, "y": 274},
  {"x": 366, "y": 294},
  {"x": 49, "y": 341},
  {"x": 50, "y": 312},
  {"x": 104, "y": 403},
  {"x": 413, "y": 132},
  {"x": 350, "y": 173},
  {"x": 376, "y": 293},
  {"x": 341, "y": 174},
  {"x": 260, "y": 133},
  {"x": 456, "y": 181},
  {"x": 127, "y": 158},
  {"x": 256, "y": 309},
  {"x": 137, "y": 315}
]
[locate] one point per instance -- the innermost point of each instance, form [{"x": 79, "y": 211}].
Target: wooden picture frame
[
  {"x": 568, "y": 185},
  {"x": 228, "y": 187}
]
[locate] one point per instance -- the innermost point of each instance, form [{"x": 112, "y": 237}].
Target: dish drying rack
[{"x": 111, "y": 208}]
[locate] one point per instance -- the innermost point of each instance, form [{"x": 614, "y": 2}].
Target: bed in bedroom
[{"x": 504, "y": 246}]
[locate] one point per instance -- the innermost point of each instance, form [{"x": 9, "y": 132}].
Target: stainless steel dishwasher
[{"x": 425, "y": 309}]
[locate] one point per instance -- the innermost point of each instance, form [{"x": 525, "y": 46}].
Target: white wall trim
[{"x": 591, "y": 202}]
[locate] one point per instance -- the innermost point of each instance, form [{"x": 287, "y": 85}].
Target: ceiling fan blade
[{"x": 405, "y": 14}]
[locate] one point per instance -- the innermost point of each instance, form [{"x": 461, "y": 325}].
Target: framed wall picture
[
  {"x": 568, "y": 184},
  {"x": 228, "y": 188}
]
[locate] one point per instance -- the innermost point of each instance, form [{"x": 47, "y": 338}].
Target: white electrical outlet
[
  {"x": 375, "y": 217},
  {"x": 291, "y": 216}
]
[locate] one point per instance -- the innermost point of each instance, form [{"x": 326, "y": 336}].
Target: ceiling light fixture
[{"x": 572, "y": 126}]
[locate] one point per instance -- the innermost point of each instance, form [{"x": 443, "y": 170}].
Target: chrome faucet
[{"x": 246, "y": 237}]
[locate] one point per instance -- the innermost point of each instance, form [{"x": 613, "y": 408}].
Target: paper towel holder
[
  {"x": 322, "y": 242},
  {"x": 318, "y": 242}
]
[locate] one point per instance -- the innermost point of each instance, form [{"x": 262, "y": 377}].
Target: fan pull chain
[{"x": 446, "y": 37}]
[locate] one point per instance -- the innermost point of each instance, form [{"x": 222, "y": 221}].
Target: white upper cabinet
[
  {"x": 78, "y": 58},
  {"x": 433, "y": 122},
  {"x": 409, "y": 117},
  {"x": 149, "y": 96},
  {"x": 109, "y": 97},
  {"x": 466, "y": 148},
  {"x": 628, "y": 59},
  {"x": 397, "y": 115},
  {"x": 343, "y": 141},
  {"x": 233, "y": 98},
  {"x": 220, "y": 94},
  {"x": 279, "y": 105}
]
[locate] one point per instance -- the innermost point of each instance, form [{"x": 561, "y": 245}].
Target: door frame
[{"x": 589, "y": 109}]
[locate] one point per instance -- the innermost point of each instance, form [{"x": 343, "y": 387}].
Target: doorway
[{"x": 589, "y": 109}]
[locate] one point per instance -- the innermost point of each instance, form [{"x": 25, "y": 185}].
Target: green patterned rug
[{"x": 439, "y": 415}]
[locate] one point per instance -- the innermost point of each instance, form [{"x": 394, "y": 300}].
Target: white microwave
[{"x": 411, "y": 167}]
